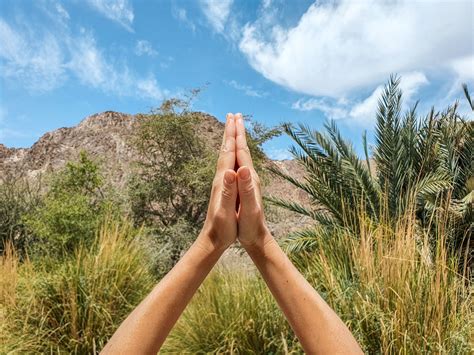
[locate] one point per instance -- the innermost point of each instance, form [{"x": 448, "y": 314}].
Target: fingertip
[
  {"x": 229, "y": 116},
  {"x": 229, "y": 176},
  {"x": 243, "y": 173}
]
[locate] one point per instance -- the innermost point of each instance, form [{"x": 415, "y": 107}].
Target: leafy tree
[
  {"x": 169, "y": 191},
  {"x": 418, "y": 161},
  {"x": 72, "y": 209}
]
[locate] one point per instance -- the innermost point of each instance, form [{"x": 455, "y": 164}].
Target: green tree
[
  {"x": 426, "y": 160},
  {"x": 170, "y": 188},
  {"x": 72, "y": 208}
]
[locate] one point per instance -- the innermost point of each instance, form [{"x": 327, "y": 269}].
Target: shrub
[
  {"x": 73, "y": 305},
  {"x": 18, "y": 197},
  {"x": 71, "y": 210},
  {"x": 392, "y": 292},
  {"x": 421, "y": 159}
]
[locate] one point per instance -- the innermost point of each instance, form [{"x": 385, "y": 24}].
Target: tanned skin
[{"x": 318, "y": 328}]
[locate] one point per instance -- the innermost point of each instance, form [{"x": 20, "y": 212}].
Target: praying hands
[{"x": 235, "y": 212}]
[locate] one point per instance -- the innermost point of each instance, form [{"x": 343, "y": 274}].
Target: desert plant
[
  {"x": 394, "y": 294},
  {"x": 18, "y": 197},
  {"x": 71, "y": 209},
  {"x": 421, "y": 159},
  {"x": 73, "y": 305}
]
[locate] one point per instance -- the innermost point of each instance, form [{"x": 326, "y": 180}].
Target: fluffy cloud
[
  {"x": 216, "y": 12},
  {"x": 119, "y": 11},
  {"x": 338, "y": 47},
  {"x": 362, "y": 112}
]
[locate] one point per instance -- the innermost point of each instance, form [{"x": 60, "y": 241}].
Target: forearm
[
  {"x": 315, "y": 324},
  {"x": 146, "y": 328}
]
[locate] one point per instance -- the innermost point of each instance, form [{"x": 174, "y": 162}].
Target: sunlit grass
[{"x": 75, "y": 305}]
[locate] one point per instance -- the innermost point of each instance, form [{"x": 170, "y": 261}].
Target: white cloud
[
  {"x": 247, "y": 89},
  {"x": 148, "y": 88},
  {"x": 41, "y": 61},
  {"x": 362, "y": 112},
  {"x": 278, "y": 154},
  {"x": 119, "y": 11},
  {"x": 62, "y": 12},
  {"x": 144, "y": 47},
  {"x": 35, "y": 59},
  {"x": 330, "y": 110},
  {"x": 93, "y": 69},
  {"x": 340, "y": 46},
  {"x": 216, "y": 12},
  {"x": 181, "y": 14},
  {"x": 464, "y": 68}
]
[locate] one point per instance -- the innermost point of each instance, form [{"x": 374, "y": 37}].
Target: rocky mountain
[{"x": 106, "y": 137}]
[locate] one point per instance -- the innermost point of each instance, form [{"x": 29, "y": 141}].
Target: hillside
[{"x": 106, "y": 137}]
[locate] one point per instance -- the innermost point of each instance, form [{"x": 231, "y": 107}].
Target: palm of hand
[{"x": 225, "y": 222}]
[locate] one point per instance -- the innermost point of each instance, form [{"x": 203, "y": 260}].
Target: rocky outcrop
[{"x": 106, "y": 136}]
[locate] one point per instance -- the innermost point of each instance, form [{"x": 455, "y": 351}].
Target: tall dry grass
[
  {"x": 73, "y": 305},
  {"x": 397, "y": 292},
  {"x": 232, "y": 313}
]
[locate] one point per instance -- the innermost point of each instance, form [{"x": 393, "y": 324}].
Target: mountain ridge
[{"x": 105, "y": 136}]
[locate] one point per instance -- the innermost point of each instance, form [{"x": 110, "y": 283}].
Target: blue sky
[{"x": 297, "y": 61}]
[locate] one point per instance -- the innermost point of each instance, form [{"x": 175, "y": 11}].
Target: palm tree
[{"x": 417, "y": 159}]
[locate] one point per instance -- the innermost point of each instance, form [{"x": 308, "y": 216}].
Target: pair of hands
[{"x": 235, "y": 206}]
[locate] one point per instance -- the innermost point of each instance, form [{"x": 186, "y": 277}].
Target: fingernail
[
  {"x": 238, "y": 115},
  {"x": 244, "y": 173},
  {"x": 229, "y": 116},
  {"x": 229, "y": 177}
]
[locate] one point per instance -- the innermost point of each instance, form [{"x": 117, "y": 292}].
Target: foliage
[
  {"x": 170, "y": 189},
  {"x": 75, "y": 304},
  {"x": 18, "y": 197},
  {"x": 393, "y": 293},
  {"x": 71, "y": 210},
  {"x": 421, "y": 159},
  {"x": 233, "y": 312}
]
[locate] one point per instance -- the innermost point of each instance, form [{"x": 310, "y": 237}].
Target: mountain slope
[{"x": 106, "y": 137}]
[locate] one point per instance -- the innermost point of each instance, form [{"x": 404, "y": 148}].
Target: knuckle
[
  {"x": 226, "y": 193},
  {"x": 247, "y": 189}
]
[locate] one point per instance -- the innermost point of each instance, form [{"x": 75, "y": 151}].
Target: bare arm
[
  {"x": 316, "y": 325},
  {"x": 146, "y": 328}
]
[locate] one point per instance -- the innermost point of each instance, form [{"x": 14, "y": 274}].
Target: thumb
[
  {"x": 229, "y": 191},
  {"x": 246, "y": 186}
]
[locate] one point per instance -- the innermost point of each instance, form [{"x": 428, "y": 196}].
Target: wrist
[
  {"x": 205, "y": 242},
  {"x": 259, "y": 244}
]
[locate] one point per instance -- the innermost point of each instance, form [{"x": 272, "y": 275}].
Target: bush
[
  {"x": 71, "y": 210},
  {"x": 18, "y": 197},
  {"x": 73, "y": 305},
  {"x": 392, "y": 292}
]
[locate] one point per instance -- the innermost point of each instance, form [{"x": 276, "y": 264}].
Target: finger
[
  {"x": 227, "y": 153},
  {"x": 229, "y": 191},
  {"x": 242, "y": 149},
  {"x": 247, "y": 191}
]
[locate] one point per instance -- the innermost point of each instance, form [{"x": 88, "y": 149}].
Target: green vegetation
[
  {"x": 388, "y": 250},
  {"x": 70, "y": 212},
  {"x": 170, "y": 189},
  {"x": 421, "y": 163},
  {"x": 72, "y": 305}
]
